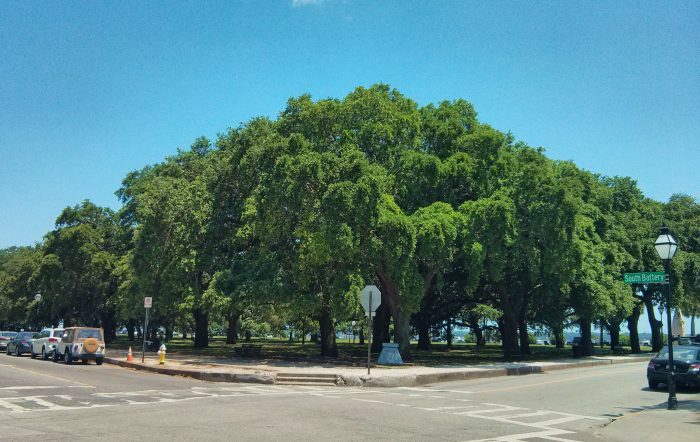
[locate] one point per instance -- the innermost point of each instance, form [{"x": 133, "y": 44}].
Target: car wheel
[
  {"x": 653, "y": 385},
  {"x": 68, "y": 357},
  {"x": 44, "y": 355},
  {"x": 99, "y": 361},
  {"x": 55, "y": 355},
  {"x": 8, "y": 350},
  {"x": 32, "y": 354},
  {"x": 17, "y": 353}
]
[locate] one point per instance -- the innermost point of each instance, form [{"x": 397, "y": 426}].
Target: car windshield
[
  {"x": 8, "y": 334},
  {"x": 85, "y": 334},
  {"x": 58, "y": 333},
  {"x": 680, "y": 353},
  {"x": 25, "y": 335}
]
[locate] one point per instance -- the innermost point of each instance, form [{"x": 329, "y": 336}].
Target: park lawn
[{"x": 354, "y": 354}]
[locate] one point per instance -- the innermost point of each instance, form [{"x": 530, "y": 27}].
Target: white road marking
[
  {"x": 39, "y": 387},
  {"x": 11, "y": 406},
  {"x": 544, "y": 430},
  {"x": 546, "y": 434},
  {"x": 431, "y": 390}
]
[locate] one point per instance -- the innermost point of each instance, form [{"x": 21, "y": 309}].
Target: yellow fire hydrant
[{"x": 161, "y": 354}]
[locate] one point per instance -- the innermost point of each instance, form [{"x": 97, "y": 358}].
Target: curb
[
  {"x": 430, "y": 378},
  {"x": 201, "y": 375},
  {"x": 344, "y": 380}
]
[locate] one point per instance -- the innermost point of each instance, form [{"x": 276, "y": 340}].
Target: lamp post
[
  {"x": 37, "y": 298},
  {"x": 666, "y": 246}
]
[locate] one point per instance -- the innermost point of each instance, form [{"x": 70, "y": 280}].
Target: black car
[
  {"x": 21, "y": 343},
  {"x": 686, "y": 360}
]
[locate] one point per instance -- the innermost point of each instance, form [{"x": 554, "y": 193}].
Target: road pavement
[{"x": 45, "y": 401}]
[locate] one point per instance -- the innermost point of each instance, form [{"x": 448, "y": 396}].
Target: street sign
[
  {"x": 370, "y": 298},
  {"x": 147, "y": 302},
  {"x": 373, "y": 292},
  {"x": 645, "y": 278}
]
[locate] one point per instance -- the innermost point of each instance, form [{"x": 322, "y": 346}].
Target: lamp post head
[
  {"x": 666, "y": 245},
  {"x": 37, "y": 297}
]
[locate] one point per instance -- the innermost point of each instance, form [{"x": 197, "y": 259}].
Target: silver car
[{"x": 5, "y": 337}]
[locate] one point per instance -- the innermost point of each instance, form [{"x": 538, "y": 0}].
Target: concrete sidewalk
[
  {"x": 271, "y": 372},
  {"x": 655, "y": 424}
]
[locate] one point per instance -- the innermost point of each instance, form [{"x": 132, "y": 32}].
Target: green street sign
[{"x": 645, "y": 278}]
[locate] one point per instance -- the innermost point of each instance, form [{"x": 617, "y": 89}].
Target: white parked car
[{"x": 46, "y": 343}]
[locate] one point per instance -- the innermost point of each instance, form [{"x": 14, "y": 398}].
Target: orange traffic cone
[{"x": 129, "y": 356}]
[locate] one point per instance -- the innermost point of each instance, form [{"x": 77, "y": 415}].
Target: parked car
[
  {"x": 21, "y": 343},
  {"x": 81, "y": 343},
  {"x": 46, "y": 343},
  {"x": 5, "y": 337},
  {"x": 686, "y": 362}
]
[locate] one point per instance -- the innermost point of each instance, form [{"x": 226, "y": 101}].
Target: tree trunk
[
  {"x": 558, "y": 332},
  {"x": 232, "y": 331},
  {"x": 692, "y": 324},
  {"x": 586, "y": 344},
  {"x": 201, "y": 328},
  {"x": 522, "y": 326},
  {"x": 632, "y": 324},
  {"x": 402, "y": 334},
  {"x": 523, "y": 335},
  {"x": 509, "y": 329},
  {"x": 655, "y": 325},
  {"x": 168, "y": 333},
  {"x": 402, "y": 329},
  {"x": 477, "y": 331},
  {"x": 131, "y": 328},
  {"x": 423, "y": 335},
  {"x": 109, "y": 326},
  {"x": 449, "y": 333},
  {"x": 362, "y": 335},
  {"x": 328, "y": 344},
  {"x": 379, "y": 328},
  {"x": 614, "y": 330}
]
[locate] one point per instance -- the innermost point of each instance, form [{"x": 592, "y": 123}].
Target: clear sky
[{"x": 92, "y": 90}]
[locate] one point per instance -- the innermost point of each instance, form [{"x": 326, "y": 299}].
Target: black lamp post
[
  {"x": 666, "y": 246},
  {"x": 37, "y": 298}
]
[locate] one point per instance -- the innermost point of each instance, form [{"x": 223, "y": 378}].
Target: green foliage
[{"x": 282, "y": 222}]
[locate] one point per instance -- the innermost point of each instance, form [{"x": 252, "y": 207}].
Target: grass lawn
[{"x": 355, "y": 354}]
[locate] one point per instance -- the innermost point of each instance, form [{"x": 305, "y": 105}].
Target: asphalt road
[{"x": 46, "y": 401}]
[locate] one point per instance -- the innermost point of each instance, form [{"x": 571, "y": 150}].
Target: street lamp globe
[
  {"x": 37, "y": 297},
  {"x": 666, "y": 245}
]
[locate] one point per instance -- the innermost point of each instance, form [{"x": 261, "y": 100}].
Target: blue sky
[{"x": 92, "y": 90}]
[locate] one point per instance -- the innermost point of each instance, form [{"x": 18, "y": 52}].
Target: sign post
[
  {"x": 371, "y": 299},
  {"x": 147, "y": 303}
]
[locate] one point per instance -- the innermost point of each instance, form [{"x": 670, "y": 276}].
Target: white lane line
[
  {"x": 37, "y": 400},
  {"x": 428, "y": 390},
  {"x": 372, "y": 401},
  {"x": 546, "y": 434},
  {"x": 533, "y": 414},
  {"x": 41, "y": 387},
  {"x": 11, "y": 406}
]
